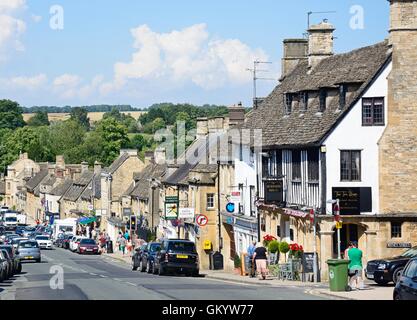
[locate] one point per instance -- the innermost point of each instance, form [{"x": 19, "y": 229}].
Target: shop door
[{"x": 348, "y": 233}]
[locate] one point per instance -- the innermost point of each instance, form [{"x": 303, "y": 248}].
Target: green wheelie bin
[{"x": 338, "y": 275}]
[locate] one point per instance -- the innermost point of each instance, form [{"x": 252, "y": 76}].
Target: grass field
[{"x": 93, "y": 116}]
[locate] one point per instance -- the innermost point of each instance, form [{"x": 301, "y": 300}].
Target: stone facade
[
  {"x": 320, "y": 43},
  {"x": 398, "y": 146}
]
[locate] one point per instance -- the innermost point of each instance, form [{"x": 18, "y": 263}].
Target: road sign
[
  {"x": 230, "y": 207},
  {"x": 339, "y": 225},
  {"x": 201, "y": 220},
  {"x": 186, "y": 213},
  {"x": 235, "y": 197}
]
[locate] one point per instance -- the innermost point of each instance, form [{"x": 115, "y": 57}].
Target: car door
[{"x": 408, "y": 283}]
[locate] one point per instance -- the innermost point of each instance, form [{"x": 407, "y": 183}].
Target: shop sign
[
  {"x": 274, "y": 192},
  {"x": 127, "y": 212},
  {"x": 171, "y": 208},
  {"x": 399, "y": 245},
  {"x": 235, "y": 197},
  {"x": 353, "y": 201},
  {"x": 186, "y": 213},
  {"x": 295, "y": 213}
]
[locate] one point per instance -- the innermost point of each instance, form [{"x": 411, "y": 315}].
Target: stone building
[{"x": 315, "y": 151}]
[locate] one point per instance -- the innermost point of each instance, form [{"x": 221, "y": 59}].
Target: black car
[
  {"x": 10, "y": 263},
  {"x": 146, "y": 263},
  {"x": 137, "y": 256},
  {"x": 177, "y": 256},
  {"x": 406, "y": 288},
  {"x": 17, "y": 264},
  {"x": 388, "y": 270}
]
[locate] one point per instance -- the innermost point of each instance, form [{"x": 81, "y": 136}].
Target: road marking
[
  {"x": 119, "y": 280},
  {"x": 93, "y": 274},
  {"x": 131, "y": 284},
  {"x": 103, "y": 276}
]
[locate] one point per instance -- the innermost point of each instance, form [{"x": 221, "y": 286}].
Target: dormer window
[
  {"x": 342, "y": 96},
  {"x": 323, "y": 98},
  {"x": 288, "y": 103},
  {"x": 304, "y": 101}
]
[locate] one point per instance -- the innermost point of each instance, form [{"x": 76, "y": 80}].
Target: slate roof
[
  {"x": 49, "y": 181},
  {"x": 78, "y": 187},
  {"x": 36, "y": 179},
  {"x": 61, "y": 188},
  {"x": 311, "y": 127},
  {"x": 88, "y": 192},
  {"x": 117, "y": 163},
  {"x": 140, "y": 189},
  {"x": 209, "y": 173}
]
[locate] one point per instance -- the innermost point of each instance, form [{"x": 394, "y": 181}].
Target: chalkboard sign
[
  {"x": 308, "y": 262},
  {"x": 353, "y": 201},
  {"x": 274, "y": 192}
]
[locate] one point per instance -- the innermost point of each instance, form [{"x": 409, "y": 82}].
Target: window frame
[
  {"x": 342, "y": 96},
  {"x": 350, "y": 178},
  {"x": 313, "y": 170},
  {"x": 208, "y": 195},
  {"x": 288, "y": 101},
  {"x": 303, "y": 97},
  {"x": 397, "y": 234},
  {"x": 372, "y": 111},
  {"x": 296, "y": 165},
  {"x": 323, "y": 99}
]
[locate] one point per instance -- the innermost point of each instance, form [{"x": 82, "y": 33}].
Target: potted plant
[
  {"x": 296, "y": 251},
  {"x": 238, "y": 264},
  {"x": 284, "y": 248},
  {"x": 268, "y": 239},
  {"x": 273, "y": 249}
]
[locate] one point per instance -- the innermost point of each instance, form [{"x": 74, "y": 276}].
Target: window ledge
[
  {"x": 296, "y": 181},
  {"x": 313, "y": 182}
]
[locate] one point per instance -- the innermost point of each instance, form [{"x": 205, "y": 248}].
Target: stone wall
[{"x": 398, "y": 146}]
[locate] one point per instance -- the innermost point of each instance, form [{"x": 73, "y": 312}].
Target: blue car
[{"x": 147, "y": 262}]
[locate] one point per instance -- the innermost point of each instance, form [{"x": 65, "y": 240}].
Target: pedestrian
[
  {"x": 103, "y": 242},
  {"x": 122, "y": 244},
  {"x": 251, "y": 251},
  {"x": 346, "y": 253},
  {"x": 118, "y": 241},
  {"x": 127, "y": 235},
  {"x": 129, "y": 246},
  {"x": 94, "y": 234},
  {"x": 355, "y": 267},
  {"x": 108, "y": 243},
  {"x": 260, "y": 257}
]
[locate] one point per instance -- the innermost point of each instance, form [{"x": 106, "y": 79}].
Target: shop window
[
  {"x": 278, "y": 232},
  {"x": 396, "y": 229}
]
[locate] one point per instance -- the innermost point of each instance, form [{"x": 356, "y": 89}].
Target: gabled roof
[
  {"x": 117, "y": 163},
  {"x": 78, "y": 187},
  {"x": 88, "y": 192},
  {"x": 61, "y": 188},
  {"x": 300, "y": 128},
  {"x": 36, "y": 180},
  {"x": 140, "y": 189}
]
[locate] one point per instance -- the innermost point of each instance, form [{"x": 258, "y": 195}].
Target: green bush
[
  {"x": 284, "y": 247},
  {"x": 237, "y": 261},
  {"x": 273, "y": 246}
]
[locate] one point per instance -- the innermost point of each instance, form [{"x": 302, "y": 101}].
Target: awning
[{"x": 85, "y": 221}]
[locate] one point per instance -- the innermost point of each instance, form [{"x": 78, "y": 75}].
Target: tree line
[{"x": 78, "y": 141}]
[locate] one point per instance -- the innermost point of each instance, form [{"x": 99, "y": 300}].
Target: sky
[{"x": 137, "y": 52}]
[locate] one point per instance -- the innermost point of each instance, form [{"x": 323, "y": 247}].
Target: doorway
[{"x": 348, "y": 233}]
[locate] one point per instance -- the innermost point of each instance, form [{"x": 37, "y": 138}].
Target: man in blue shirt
[{"x": 251, "y": 251}]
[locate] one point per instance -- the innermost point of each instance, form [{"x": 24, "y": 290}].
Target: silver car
[{"x": 29, "y": 251}]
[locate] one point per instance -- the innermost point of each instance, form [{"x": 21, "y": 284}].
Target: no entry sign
[{"x": 201, "y": 220}]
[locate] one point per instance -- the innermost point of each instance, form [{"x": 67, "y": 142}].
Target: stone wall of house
[
  {"x": 123, "y": 176},
  {"x": 398, "y": 146}
]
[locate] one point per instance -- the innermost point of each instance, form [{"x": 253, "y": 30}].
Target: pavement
[
  {"x": 371, "y": 290},
  {"x": 64, "y": 275}
]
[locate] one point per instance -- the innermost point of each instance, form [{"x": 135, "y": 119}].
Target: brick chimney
[
  {"x": 149, "y": 158},
  {"x": 398, "y": 145},
  {"x": 320, "y": 43},
  {"x": 295, "y": 51},
  {"x": 202, "y": 127},
  {"x": 97, "y": 167},
  {"x": 160, "y": 156},
  {"x": 84, "y": 167},
  {"x": 236, "y": 115}
]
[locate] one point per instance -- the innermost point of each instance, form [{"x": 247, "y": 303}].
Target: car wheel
[
  {"x": 196, "y": 273},
  {"x": 161, "y": 271},
  {"x": 397, "y": 275},
  {"x": 134, "y": 267},
  {"x": 154, "y": 270},
  {"x": 381, "y": 282},
  {"x": 148, "y": 267},
  {"x": 142, "y": 268}
]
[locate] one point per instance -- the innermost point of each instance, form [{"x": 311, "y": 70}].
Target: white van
[
  {"x": 10, "y": 220},
  {"x": 68, "y": 226}
]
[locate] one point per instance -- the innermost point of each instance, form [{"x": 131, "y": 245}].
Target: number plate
[
  {"x": 28, "y": 257},
  {"x": 89, "y": 250},
  {"x": 370, "y": 276},
  {"x": 181, "y": 256}
]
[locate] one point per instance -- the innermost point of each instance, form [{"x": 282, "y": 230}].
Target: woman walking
[{"x": 260, "y": 258}]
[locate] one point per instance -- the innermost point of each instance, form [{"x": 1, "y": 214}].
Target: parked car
[
  {"x": 9, "y": 261},
  {"x": 137, "y": 256},
  {"x": 15, "y": 241},
  {"x": 66, "y": 241},
  {"x": 44, "y": 242},
  {"x": 75, "y": 242},
  {"x": 388, "y": 270},
  {"x": 27, "y": 231},
  {"x": 4, "y": 267},
  {"x": 148, "y": 257},
  {"x": 87, "y": 246},
  {"x": 9, "y": 238},
  {"x": 17, "y": 264},
  {"x": 29, "y": 251},
  {"x": 58, "y": 240},
  {"x": 406, "y": 288},
  {"x": 177, "y": 256}
]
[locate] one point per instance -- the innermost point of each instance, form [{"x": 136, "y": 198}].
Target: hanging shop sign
[
  {"x": 235, "y": 197},
  {"x": 296, "y": 213},
  {"x": 171, "y": 208},
  {"x": 274, "y": 192},
  {"x": 186, "y": 213}
]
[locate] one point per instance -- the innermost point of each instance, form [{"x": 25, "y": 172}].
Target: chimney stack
[
  {"x": 202, "y": 127},
  {"x": 97, "y": 167},
  {"x": 236, "y": 115},
  {"x": 60, "y": 162},
  {"x": 295, "y": 51},
  {"x": 149, "y": 158},
  {"x": 84, "y": 167},
  {"x": 320, "y": 43},
  {"x": 160, "y": 156},
  {"x": 398, "y": 145}
]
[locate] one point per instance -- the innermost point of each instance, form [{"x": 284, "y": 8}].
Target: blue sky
[{"x": 142, "y": 52}]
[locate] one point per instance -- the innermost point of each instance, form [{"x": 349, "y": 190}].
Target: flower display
[{"x": 296, "y": 250}]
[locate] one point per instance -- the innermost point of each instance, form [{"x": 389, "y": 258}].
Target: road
[{"x": 102, "y": 278}]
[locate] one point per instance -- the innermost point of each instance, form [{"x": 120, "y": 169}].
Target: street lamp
[{"x": 337, "y": 218}]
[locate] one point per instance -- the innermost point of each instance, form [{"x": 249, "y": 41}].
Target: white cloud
[
  {"x": 189, "y": 55},
  {"x": 29, "y": 83},
  {"x": 67, "y": 81},
  {"x": 11, "y": 27}
]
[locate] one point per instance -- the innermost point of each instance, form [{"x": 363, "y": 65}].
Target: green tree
[
  {"x": 127, "y": 120},
  {"x": 39, "y": 119},
  {"x": 138, "y": 142},
  {"x": 81, "y": 116},
  {"x": 114, "y": 137},
  {"x": 10, "y": 115}
]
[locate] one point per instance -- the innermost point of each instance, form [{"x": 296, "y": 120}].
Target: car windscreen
[
  {"x": 41, "y": 238},
  {"x": 188, "y": 247},
  {"x": 5, "y": 254},
  {"x": 154, "y": 247},
  {"x": 10, "y": 219},
  {"x": 28, "y": 244},
  {"x": 412, "y": 253},
  {"x": 87, "y": 241}
]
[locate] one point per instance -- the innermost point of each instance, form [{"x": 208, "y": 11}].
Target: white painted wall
[
  {"x": 53, "y": 204},
  {"x": 351, "y": 135}
]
